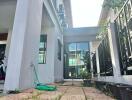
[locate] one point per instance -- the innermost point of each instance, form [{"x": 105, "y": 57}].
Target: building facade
[
  {"x": 38, "y": 36},
  {"x": 31, "y": 34}
]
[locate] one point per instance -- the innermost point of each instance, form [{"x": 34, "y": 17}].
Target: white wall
[
  {"x": 53, "y": 69},
  {"x": 58, "y": 64},
  {"x": 46, "y": 71}
]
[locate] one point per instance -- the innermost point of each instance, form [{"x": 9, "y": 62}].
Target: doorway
[{"x": 3, "y": 39}]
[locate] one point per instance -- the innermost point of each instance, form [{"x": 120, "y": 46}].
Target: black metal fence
[
  {"x": 94, "y": 65},
  {"x": 123, "y": 27},
  {"x": 105, "y": 62}
]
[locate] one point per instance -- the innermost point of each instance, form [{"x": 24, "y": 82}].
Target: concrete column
[
  {"x": 24, "y": 45},
  {"x": 97, "y": 63},
  {"x": 91, "y": 50},
  {"x": 114, "y": 52}
]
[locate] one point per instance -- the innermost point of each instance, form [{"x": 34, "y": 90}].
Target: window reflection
[
  {"x": 74, "y": 61},
  {"x": 42, "y": 49}
]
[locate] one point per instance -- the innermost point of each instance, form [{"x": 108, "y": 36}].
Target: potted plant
[
  {"x": 85, "y": 73},
  {"x": 86, "y": 76}
]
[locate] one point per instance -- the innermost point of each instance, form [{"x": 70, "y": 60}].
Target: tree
[
  {"x": 114, "y": 4},
  {"x": 103, "y": 29},
  {"x": 86, "y": 59}
]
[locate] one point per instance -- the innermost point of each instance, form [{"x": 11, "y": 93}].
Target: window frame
[
  {"x": 44, "y": 48},
  {"x": 59, "y": 52}
]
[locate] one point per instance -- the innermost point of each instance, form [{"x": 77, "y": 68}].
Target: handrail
[{"x": 121, "y": 9}]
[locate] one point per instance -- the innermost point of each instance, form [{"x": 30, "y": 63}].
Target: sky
[{"x": 86, "y": 13}]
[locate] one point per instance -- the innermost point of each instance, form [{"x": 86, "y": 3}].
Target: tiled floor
[{"x": 62, "y": 93}]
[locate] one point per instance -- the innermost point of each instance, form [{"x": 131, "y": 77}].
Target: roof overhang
[
  {"x": 104, "y": 12},
  {"x": 81, "y": 31}
]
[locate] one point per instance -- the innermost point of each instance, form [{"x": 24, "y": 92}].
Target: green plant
[
  {"x": 85, "y": 74},
  {"x": 103, "y": 29},
  {"x": 86, "y": 59},
  {"x": 114, "y": 4}
]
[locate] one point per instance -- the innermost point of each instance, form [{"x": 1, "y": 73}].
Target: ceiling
[{"x": 7, "y": 13}]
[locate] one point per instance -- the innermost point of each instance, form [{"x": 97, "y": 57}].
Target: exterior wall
[
  {"x": 23, "y": 44},
  {"x": 58, "y": 64},
  {"x": 67, "y": 4},
  {"x": 46, "y": 71},
  {"x": 52, "y": 71}
]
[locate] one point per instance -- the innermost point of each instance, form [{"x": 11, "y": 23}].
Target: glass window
[
  {"x": 75, "y": 58},
  {"x": 42, "y": 49},
  {"x": 77, "y": 52},
  {"x": 82, "y": 46},
  {"x": 72, "y": 47}
]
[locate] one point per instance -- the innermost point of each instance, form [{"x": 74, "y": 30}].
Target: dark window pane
[
  {"x": 42, "y": 49},
  {"x": 59, "y": 50}
]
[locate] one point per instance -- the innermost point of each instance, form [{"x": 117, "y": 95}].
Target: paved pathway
[{"x": 62, "y": 93}]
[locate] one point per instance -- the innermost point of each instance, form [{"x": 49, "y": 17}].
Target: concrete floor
[{"x": 62, "y": 93}]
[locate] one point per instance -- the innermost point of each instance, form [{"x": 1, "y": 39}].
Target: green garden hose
[{"x": 41, "y": 86}]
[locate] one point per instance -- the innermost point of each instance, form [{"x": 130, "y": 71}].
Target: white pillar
[
  {"x": 24, "y": 45},
  {"x": 114, "y": 53},
  {"x": 91, "y": 50},
  {"x": 97, "y": 63}
]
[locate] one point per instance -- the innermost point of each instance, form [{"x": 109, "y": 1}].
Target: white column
[
  {"x": 97, "y": 63},
  {"x": 24, "y": 45},
  {"x": 114, "y": 52},
  {"x": 91, "y": 50}
]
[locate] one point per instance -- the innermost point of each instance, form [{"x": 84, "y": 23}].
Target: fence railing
[
  {"x": 105, "y": 62},
  {"x": 94, "y": 65},
  {"x": 123, "y": 27}
]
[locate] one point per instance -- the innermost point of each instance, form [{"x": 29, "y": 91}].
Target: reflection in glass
[{"x": 74, "y": 61}]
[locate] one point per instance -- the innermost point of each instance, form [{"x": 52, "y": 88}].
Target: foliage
[
  {"x": 85, "y": 74},
  {"x": 114, "y": 4},
  {"x": 86, "y": 59},
  {"x": 103, "y": 29}
]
